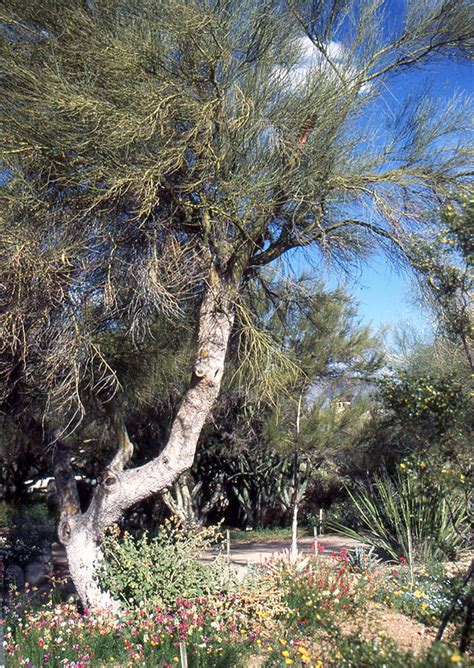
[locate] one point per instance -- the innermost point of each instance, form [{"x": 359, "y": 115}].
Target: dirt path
[{"x": 257, "y": 552}]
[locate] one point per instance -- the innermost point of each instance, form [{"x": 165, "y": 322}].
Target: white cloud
[{"x": 312, "y": 60}]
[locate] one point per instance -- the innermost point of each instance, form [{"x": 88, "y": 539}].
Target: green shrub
[
  {"x": 345, "y": 513},
  {"x": 154, "y": 571},
  {"x": 28, "y": 527},
  {"x": 404, "y": 518}
]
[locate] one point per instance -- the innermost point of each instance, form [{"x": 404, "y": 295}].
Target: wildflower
[{"x": 456, "y": 658}]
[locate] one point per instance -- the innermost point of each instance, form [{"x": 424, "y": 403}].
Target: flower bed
[{"x": 291, "y": 614}]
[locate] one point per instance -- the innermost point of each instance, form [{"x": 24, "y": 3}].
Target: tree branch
[
  {"x": 66, "y": 489},
  {"x": 125, "y": 445}
]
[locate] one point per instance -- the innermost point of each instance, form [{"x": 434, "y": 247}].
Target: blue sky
[{"x": 388, "y": 298}]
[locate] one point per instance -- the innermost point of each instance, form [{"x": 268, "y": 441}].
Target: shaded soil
[{"x": 382, "y": 622}]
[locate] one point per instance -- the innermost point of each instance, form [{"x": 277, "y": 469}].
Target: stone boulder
[{"x": 35, "y": 573}]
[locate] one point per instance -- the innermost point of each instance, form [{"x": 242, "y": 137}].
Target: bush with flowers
[
  {"x": 150, "y": 571},
  {"x": 319, "y": 590},
  {"x": 211, "y": 632}
]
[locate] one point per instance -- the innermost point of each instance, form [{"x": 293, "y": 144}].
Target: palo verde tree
[
  {"x": 157, "y": 155},
  {"x": 323, "y": 412}
]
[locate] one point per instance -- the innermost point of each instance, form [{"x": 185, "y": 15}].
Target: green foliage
[
  {"x": 431, "y": 404},
  {"x": 152, "y": 572},
  {"x": 447, "y": 260},
  {"x": 144, "y": 144},
  {"x": 343, "y": 512},
  {"x": 30, "y": 526},
  {"x": 406, "y": 517}
]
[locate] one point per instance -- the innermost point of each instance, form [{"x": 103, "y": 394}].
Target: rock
[
  {"x": 14, "y": 575},
  {"x": 35, "y": 573}
]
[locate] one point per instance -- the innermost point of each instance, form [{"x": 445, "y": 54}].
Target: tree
[
  {"x": 447, "y": 260},
  {"x": 157, "y": 156},
  {"x": 245, "y": 461},
  {"x": 335, "y": 356}
]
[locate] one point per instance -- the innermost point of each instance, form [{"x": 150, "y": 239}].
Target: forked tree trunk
[{"x": 119, "y": 489}]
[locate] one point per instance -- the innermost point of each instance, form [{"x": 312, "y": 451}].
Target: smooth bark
[{"x": 118, "y": 489}]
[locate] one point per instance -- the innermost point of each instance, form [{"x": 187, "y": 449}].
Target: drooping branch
[{"x": 286, "y": 240}]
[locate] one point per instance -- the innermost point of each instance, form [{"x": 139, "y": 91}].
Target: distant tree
[
  {"x": 157, "y": 156},
  {"x": 447, "y": 260},
  {"x": 427, "y": 401},
  {"x": 323, "y": 411}
]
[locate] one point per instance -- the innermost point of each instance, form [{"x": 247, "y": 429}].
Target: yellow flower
[
  {"x": 403, "y": 466},
  {"x": 456, "y": 658},
  {"x": 282, "y": 641},
  {"x": 285, "y": 653},
  {"x": 288, "y": 662}
]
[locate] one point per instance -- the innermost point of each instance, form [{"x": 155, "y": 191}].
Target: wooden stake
[{"x": 183, "y": 654}]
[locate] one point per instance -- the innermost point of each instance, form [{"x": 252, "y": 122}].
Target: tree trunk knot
[
  {"x": 64, "y": 532},
  {"x": 107, "y": 479}
]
